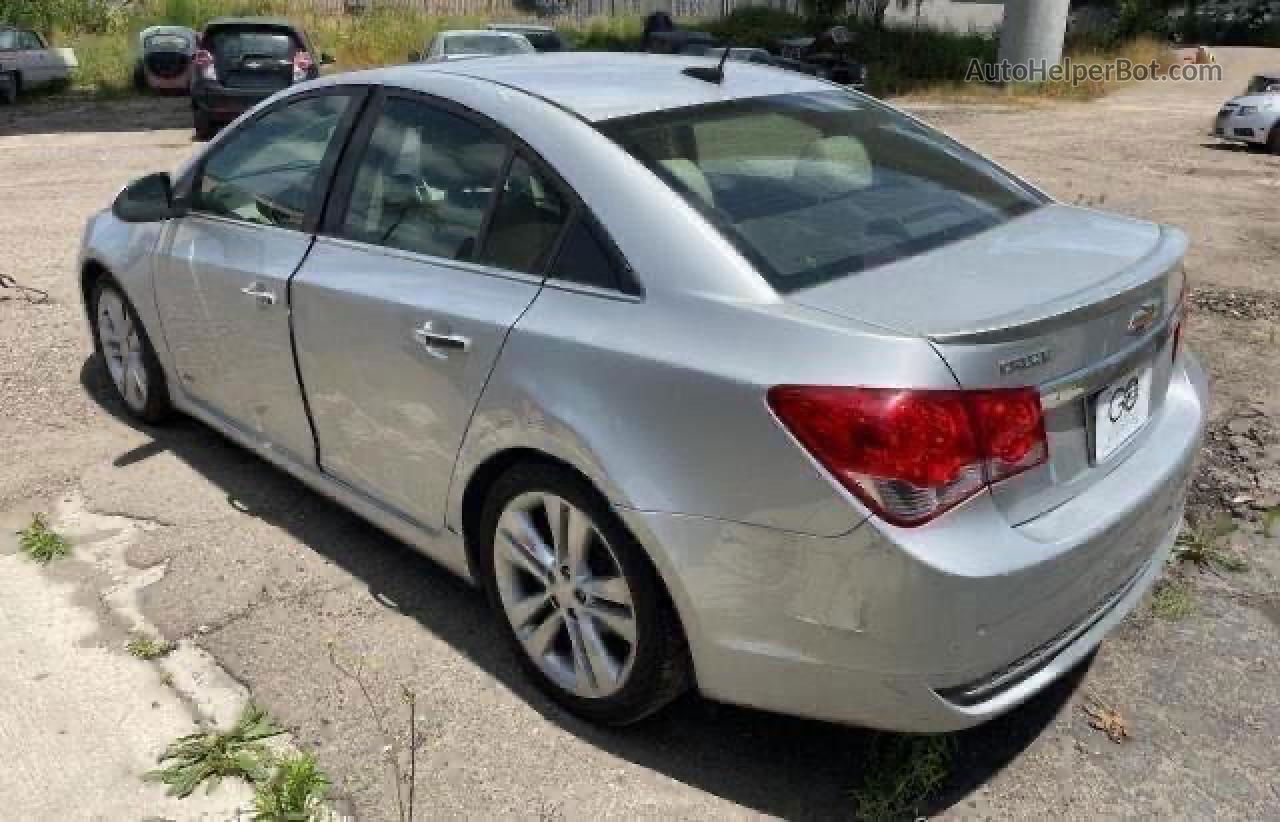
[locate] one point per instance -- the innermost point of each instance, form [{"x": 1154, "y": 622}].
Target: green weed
[
  {"x": 295, "y": 792},
  {"x": 41, "y": 543},
  {"x": 211, "y": 756},
  {"x": 1173, "y": 600},
  {"x": 1198, "y": 544},
  {"x": 904, "y": 772},
  {"x": 148, "y": 647}
]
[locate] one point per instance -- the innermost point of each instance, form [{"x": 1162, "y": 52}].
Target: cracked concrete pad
[{"x": 82, "y": 723}]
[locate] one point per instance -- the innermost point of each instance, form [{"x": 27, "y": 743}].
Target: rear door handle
[
  {"x": 260, "y": 293},
  {"x": 440, "y": 345}
]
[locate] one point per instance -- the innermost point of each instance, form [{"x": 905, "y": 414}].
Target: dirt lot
[{"x": 264, "y": 574}]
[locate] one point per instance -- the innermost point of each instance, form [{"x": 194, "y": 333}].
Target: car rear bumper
[
  {"x": 225, "y": 103},
  {"x": 936, "y": 628}
]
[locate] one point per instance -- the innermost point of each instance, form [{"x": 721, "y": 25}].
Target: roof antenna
[{"x": 710, "y": 75}]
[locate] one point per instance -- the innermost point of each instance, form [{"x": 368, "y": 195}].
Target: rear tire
[
  {"x": 9, "y": 87},
  {"x": 127, "y": 355},
  {"x": 205, "y": 128},
  {"x": 1273, "y": 139},
  {"x": 586, "y": 664}
]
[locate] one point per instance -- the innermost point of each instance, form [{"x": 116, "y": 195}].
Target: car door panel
[
  {"x": 222, "y": 276},
  {"x": 390, "y": 404},
  {"x": 223, "y": 294}
]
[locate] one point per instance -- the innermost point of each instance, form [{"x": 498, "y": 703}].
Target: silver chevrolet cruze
[{"x": 744, "y": 382}]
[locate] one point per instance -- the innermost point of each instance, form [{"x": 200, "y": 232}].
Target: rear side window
[
  {"x": 8, "y": 39},
  {"x": 267, "y": 172},
  {"x": 586, "y": 259},
  {"x": 526, "y": 222},
  {"x": 425, "y": 181},
  {"x": 813, "y": 187}
]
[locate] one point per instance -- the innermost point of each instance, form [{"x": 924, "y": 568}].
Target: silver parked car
[
  {"x": 1254, "y": 117},
  {"x": 747, "y": 383},
  {"x": 465, "y": 44}
]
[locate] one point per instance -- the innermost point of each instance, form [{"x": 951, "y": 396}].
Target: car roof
[
  {"x": 485, "y": 32},
  {"x": 519, "y": 27},
  {"x": 599, "y": 86},
  {"x": 273, "y": 22}
]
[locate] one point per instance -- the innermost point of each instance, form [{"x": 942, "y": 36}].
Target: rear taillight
[
  {"x": 203, "y": 61},
  {"x": 302, "y": 64},
  {"x": 912, "y": 454}
]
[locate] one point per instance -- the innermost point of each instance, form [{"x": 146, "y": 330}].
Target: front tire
[
  {"x": 127, "y": 355},
  {"x": 1273, "y": 139},
  {"x": 580, "y": 604}
]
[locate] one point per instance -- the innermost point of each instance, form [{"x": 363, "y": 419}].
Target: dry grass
[{"x": 1141, "y": 51}]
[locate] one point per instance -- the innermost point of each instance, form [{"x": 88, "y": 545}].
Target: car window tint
[
  {"x": 266, "y": 172},
  {"x": 425, "y": 181},
  {"x": 28, "y": 41},
  {"x": 583, "y": 258},
  {"x": 8, "y": 40},
  {"x": 526, "y": 221}
]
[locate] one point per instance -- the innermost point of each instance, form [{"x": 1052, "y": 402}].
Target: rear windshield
[
  {"x": 232, "y": 43},
  {"x": 814, "y": 187},
  {"x": 167, "y": 42},
  {"x": 485, "y": 44}
]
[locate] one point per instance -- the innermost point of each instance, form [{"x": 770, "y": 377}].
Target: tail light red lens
[
  {"x": 912, "y": 454},
  {"x": 302, "y": 64},
  {"x": 203, "y": 62}
]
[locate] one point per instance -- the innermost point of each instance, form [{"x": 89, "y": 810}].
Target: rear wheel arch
[{"x": 486, "y": 475}]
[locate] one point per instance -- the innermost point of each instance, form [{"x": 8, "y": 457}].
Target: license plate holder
[{"x": 1120, "y": 410}]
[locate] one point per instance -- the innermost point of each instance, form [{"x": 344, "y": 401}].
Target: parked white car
[
  {"x": 27, "y": 62},
  {"x": 1254, "y": 117}
]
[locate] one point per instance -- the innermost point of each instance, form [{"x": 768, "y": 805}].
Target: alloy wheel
[
  {"x": 565, "y": 594},
  {"x": 122, "y": 348}
]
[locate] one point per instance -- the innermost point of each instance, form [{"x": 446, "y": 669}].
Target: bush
[{"x": 759, "y": 27}]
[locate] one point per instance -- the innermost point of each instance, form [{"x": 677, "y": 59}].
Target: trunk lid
[
  {"x": 1062, "y": 298},
  {"x": 253, "y": 57}
]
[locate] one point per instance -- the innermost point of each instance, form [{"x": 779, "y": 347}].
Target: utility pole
[{"x": 1033, "y": 30}]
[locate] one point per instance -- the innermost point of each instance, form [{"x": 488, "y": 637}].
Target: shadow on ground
[
  {"x": 67, "y": 114},
  {"x": 774, "y": 764}
]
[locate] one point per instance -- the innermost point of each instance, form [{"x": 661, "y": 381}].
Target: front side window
[
  {"x": 27, "y": 40},
  {"x": 817, "y": 186},
  {"x": 8, "y": 39},
  {"x": 425, "y": 181},
  {"x": 268, "y": 171}
]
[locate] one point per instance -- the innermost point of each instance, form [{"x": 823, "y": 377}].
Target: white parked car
[
  {"x": 1254, "y": 117},
  {"x": 464, "y": 44},
  {"x": 27, "y": 62}
]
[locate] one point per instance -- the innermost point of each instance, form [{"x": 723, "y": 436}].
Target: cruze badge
[
  {"x": 1032, "y": 360},
  {"x": 1142, "y": 319}
]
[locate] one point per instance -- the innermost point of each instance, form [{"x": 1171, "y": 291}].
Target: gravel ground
[{"x": 269, "y": 577}]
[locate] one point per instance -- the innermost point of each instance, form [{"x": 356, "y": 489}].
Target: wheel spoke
[
  {"x": 540, "y": 639},
  {"x": 577, "y": 539},
  {"x": 557, "y": 511},
  {"x": 524, "y": 610},
  {"x": 524, "y": 545},
  {"x": 604, "y": 671},
  {"x": 583, "y": 672},
  {"x": 609, "y": 589},
  {"x": 624, "y": 625}
]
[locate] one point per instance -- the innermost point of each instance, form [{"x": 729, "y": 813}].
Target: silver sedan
[{"x": 740, "y": 382}]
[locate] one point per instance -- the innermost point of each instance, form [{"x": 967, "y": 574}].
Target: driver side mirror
[
  {"x": 326, "y": 59},
  {"x": 147, "y": 200}
]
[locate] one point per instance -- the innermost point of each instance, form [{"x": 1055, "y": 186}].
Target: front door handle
[
  {"x": 440, "y": 345},
  {"x": 260, "y": 293}
]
